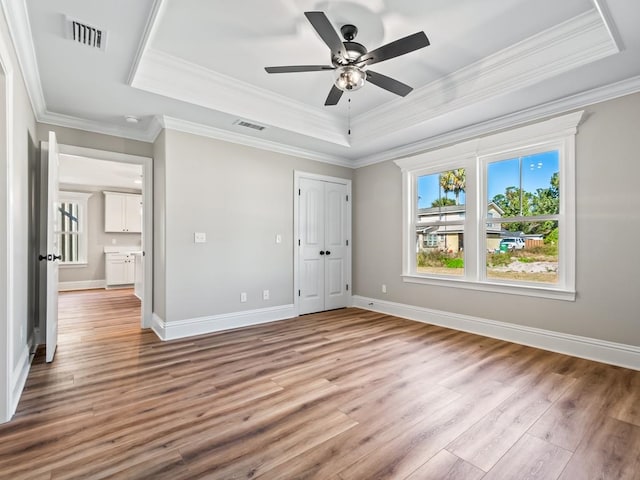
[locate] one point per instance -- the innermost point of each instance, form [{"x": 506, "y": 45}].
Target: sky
[{"x": 537, "y": 171}]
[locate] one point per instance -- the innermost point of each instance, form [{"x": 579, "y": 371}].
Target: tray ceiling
[{"x": 198, "y": 66}]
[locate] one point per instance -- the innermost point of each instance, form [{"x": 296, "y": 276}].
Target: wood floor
[{"x": 341, "y": 395}]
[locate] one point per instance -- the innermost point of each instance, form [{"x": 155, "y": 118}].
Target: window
[
  {"x": 440, "y": 213},
  {"x": 72, "y": 224},
  {"x": 496, "y": 213}
]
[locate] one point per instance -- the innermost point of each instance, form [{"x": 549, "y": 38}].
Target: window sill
[
  {"x": 526, "y": 290},
  {"x": 74, "y": 265}
]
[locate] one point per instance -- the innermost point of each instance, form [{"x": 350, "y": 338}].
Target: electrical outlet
[
  {"x": 265, "y": 294},
  {"x": 384, "y": 288},
  {"x": 243, "y": 297},
  {"x": 199, "y": 237}
]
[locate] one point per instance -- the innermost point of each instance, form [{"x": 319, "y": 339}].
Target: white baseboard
[
  {"x": 215, "y": 323},
  {"x": 81, "y": 285},
  {"x": 20, "y": 374},
  {"x": 584, "y": 347}
]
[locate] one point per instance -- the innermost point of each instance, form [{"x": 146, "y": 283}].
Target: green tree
[
  {"x": 454, "y": 181},
  {"x": 443, "y": 202}
]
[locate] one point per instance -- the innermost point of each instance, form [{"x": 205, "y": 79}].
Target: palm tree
[{"x": 454, "y": 181}]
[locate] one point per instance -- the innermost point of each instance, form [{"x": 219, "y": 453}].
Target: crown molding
[
  {"x": 94, "y": 126},
  {"x": 173, "y": 77},
  {"x": 573, "y": 102},
  {"x": 17, "y": 16},
  {"x": 564, "y": 47},
  {"x": 185, "y": 126},
  {"x": 157, "y": 11}
]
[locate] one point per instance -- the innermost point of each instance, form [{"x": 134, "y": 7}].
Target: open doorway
[{"x": 105, "y": 227}]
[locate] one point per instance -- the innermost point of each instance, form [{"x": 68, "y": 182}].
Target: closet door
[{"x": 323, "y": 254}]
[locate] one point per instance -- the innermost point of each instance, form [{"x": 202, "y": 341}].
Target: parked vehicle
[{"x": 511, "y": 243}]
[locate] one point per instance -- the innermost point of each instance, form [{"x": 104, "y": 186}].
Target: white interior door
[
  {"x": 323, "y": 254},
  {"x": 52, "y": 254}
]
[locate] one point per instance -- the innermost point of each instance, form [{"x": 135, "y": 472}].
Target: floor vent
[
  {"x": 242, "y": 123},
  {"x": 86, "y": 34}
]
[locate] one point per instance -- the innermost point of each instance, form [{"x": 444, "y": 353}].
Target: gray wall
[
  {"x": 608, "y": 228},
  {"x": 159, "y": 226},
  {"x": 16, "y": 328},
  {"x": 241, "y": 197},
  {"x": 97, "y": 238}
]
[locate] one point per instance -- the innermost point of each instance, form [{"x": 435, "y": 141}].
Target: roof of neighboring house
[{"x": 454, "y": 209}]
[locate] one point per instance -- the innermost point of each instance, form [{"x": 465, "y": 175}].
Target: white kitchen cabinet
[
  {"x": 122, "y": 212},
  {"x": 119, "y": 268}
]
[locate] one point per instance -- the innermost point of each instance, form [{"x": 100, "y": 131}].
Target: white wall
[
  {"x": 241, "y": 197},
  {"x": 608, "y": 228},
  {"x": 15, "y": 324}
]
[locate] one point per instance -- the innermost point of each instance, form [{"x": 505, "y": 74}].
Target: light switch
[
  {"x": 278, "y": 238},
  {"x": 199, "y": 237}
]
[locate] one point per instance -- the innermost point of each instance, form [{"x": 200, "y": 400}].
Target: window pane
[
  {"x": 440, "y": 213},
  {"x": 69, "y": 217},
  {"x": 528, "y": 258},
  {"x": 447, "y": 257},
  {"x": 540, "y": 178},
  {"x": 503, "y": 186},
  {"x": 69, "y": 247},
  {"x": 525, "y": 186}
]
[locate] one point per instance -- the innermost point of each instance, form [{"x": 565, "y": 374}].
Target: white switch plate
[
  {"x": 278, "y": 238},
  {"x": 199, "y": 237},
  {"x": 265, "y": 294},
  {"x": 243, "y": 297},
  {"x": 384, "y": 288}
]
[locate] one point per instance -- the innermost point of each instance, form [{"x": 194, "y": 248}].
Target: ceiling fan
[{"x": 351, "y": 60}]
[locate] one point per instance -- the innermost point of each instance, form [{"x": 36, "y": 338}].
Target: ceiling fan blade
[
  {"x": 299, "y": 68},
  {"x": 322, "y": 25},
  {"x": 394, "y": 49},
  {"x": 334, "y": 96},
  {"x": 388, "y": 83}
]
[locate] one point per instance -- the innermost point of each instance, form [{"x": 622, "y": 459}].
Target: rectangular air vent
[
  {"x": 242, "y": 123},
  {"x": 85, "y": 34}
]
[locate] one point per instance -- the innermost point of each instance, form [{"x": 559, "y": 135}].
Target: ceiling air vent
[
  {"x": 85, "y": 34},
  {"x": 242, "y": 123}
]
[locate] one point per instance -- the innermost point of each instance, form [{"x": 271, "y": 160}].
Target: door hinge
[
  {"x": 298, "y": 292},
  {"x": 347, "y": 287},
  {"x": 299, "y": 192},
  {"x": 299, "y": 242},
  {"x": 347, "y": 242},
  {"x": 347, "y": 198}
]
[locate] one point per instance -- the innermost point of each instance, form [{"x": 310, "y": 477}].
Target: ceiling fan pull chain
[{"x": 349, "y": 116}]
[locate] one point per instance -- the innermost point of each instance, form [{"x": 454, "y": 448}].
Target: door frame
[
  {"x": 8, "y": 380},
  {"x": 297, "y": 174},
  {"x": 147, "y": 205}
]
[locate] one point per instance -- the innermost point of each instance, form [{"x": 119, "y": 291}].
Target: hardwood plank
[
  {"x": 332, "y": 396},
  {"x": 489, "y": 439},
  {"x": 446, "y": 466},
  {"x": 531, "y": 458},
  {"x": 610, "y": 450}
]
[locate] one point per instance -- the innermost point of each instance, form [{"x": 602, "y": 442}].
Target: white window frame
[
  {"x": 474, "y": 155},
  {"x": 82, "y": 199}
]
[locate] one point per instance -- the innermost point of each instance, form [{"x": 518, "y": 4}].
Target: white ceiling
[
  {"x": 198, "y": 65},
  {"x": 75, "y": 170}
]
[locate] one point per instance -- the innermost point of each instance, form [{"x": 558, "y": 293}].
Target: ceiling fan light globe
[{"x": 350, "y": 78}]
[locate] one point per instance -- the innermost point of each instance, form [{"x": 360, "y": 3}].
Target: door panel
[
  {"x": 324, "y": 252},
  {"x": 311, "y": 263},
  {"x": 52, "y": 252},
  {"x": 336, "y": 227}
]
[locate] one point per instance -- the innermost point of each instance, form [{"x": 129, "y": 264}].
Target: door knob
[
  {"x": 57, "y": 257},
  {"x": 328, "y": 252},
  {"x": 44, "y": 257},
  {"x": 321, "y": 252}
]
